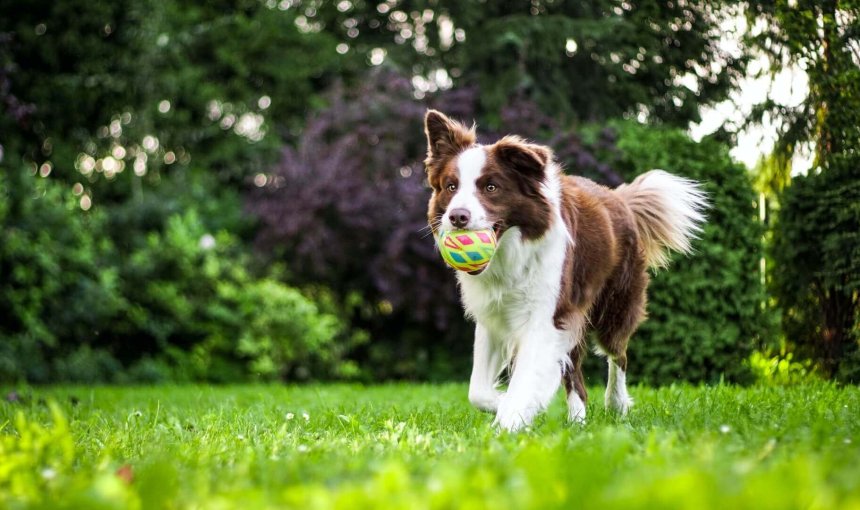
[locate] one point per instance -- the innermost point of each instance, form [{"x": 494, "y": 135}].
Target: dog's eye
[
  {"x": 451, "y": 188},
  {"x": 491, "y": 188}
]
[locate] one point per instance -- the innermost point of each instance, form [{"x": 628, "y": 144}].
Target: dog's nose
[{"x": 459, "y": 217}]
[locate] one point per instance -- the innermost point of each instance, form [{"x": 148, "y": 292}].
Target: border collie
[{"x": 572, "y": 255}]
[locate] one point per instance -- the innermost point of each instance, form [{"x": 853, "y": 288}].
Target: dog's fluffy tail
[{"x": 669, "y": 212}]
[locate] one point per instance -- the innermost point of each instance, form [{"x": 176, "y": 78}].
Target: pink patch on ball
[{"x": 464, "y": 240}]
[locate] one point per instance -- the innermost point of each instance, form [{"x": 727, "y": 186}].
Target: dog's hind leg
[
  {"x": 618, "y": 313},
  {"x": 574, "y": 385},
  {"x": 487, "y": 364},
  {"x": 616, "y": 397}
]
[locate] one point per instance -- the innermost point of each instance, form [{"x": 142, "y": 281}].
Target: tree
[
  {"x": 816, "y": 266},
  {"x": 128, "y": 132},
  {"x": 817, "y": 276},
  {"x": 585, "y": 60},
  {"x": 124, "y": 94}
]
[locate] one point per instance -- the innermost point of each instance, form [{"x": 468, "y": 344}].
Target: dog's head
[{"x": 498, "y": 186}]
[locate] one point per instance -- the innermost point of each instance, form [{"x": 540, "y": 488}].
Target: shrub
[
  {"x": 173, "y": 303},
  {"x": 279, "y": 331},
  {"x": 346, "y": 206},
  {"x": 55, "y": 294},
  {"x": 816, "y": 253},
  {"x": 87, "y": 365},
  {"x": 195, "y": 298},
  {"x": 780, "y": 368}
]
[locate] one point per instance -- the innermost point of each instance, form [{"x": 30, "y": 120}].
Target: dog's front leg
[
  {"x": 536, "y": 377},
  {"x": 486, "y": 365}
]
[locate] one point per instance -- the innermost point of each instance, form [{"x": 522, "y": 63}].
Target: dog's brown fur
[
  {"x": 605, "y": 272},
  {"x": 515, "y": 167}
]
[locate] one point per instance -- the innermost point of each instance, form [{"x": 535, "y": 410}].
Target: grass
[{"x": 422, "y": 446}]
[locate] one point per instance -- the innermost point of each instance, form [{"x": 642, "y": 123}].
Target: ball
[{"x": 467, "y": 250}]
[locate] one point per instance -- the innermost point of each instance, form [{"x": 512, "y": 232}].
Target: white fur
[
  {"x": 616, "y": 389},
  {"x": 487, "y": 364},
  {"x": 575, "y": 405},
  {"x": 469, "y": 166},
  {"x": 673, "y": 203},
  {"x": 575, "y": 408},
  {"x": 513, "y": 301}
]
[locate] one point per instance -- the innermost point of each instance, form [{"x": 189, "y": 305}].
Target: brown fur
[
  {"x": 605, "y": 271},
  {"x": 513, "y": 166},
  {"x": 573, "y": 378},
  {"x": 445, "y": 139},
  {"x": 517, "y": 171}
]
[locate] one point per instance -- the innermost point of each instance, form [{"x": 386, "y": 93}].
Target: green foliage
[
  {"x": 423, "y": 446},
  {"x": 183, "y": 304},
  {"x": 33, "y": 455},
  {"x": 195, "y": 298},
  {"x": 588, "y": 60},
  {"x": 156, "y": 114},
  {"x": 279, "y": 331},
  {"x": 780, "y": 368},
  {"x": 818, "y": 237},
  {"x": 213, "y": 86},
  {"x": 816, "y": 266},
  {"x": 55, "y": 288},
  {"x": 820, "y": 37},
  {"x": 704, "y": 311}
]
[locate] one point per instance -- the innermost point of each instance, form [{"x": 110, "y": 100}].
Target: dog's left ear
[{"x": 529, "y": 160}]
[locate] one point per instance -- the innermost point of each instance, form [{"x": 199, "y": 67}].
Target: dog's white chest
[{"x": 522, "y": 282}]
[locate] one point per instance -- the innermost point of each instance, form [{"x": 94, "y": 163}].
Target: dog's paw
[
  {"x": 575, "y": 409},
  {"x": 512, "y": 417},
  {"x": 485, "y": 401},
  {"x": 619, "y": 403}
]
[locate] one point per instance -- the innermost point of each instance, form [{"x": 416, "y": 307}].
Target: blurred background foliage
[{"x": 233, "y": 190}]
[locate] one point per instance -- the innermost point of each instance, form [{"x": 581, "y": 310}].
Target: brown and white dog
[{"x": 571, "y": 255}]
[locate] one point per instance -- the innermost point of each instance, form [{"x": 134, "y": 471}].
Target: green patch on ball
[{"x": 467, "y": 250}]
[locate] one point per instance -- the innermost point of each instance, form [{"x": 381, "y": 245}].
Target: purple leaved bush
[{"x": 346, "y": 206}]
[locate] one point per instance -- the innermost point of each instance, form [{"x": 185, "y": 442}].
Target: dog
[{"x": 572, "y": 255}]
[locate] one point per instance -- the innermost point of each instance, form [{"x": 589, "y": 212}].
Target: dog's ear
[
  {"x": 528, "y": 160},
  {"x": 445, "y": 137}
]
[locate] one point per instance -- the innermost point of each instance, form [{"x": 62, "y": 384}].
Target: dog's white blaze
[
  {"x": 470, "y": 163},
  {"x": 616, "y": 389}
]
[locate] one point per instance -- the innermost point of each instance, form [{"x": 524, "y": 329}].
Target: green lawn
[{"x": 423, "y": 446}]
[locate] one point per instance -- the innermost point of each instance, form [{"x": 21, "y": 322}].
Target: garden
[{"x": 217, "y": 288}]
